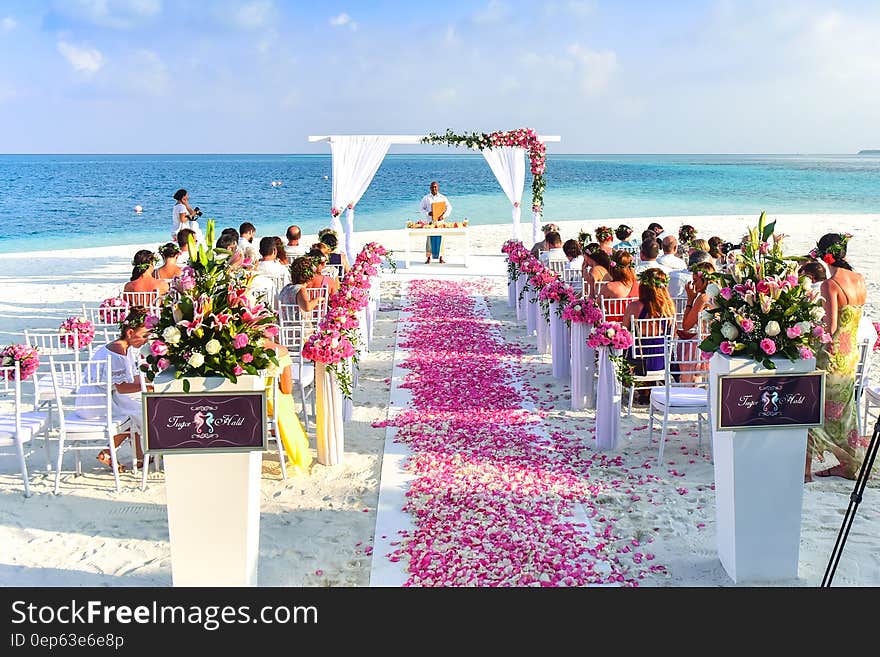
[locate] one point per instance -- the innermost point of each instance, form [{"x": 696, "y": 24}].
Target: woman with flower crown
[
  {"x": 654, "y": 302},
  {"x": 844, "y": 295},
  {"x": 142, "y": 279},
  {"x": 697, "y": 300},
  {"x": 596, "y": 268},
  {"x": 126, "y": 382},
  {"x": 605, "y": 236},
  {"x": 623, "y": 283}
]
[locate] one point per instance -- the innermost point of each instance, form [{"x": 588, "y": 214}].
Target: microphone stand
[{"x": 855, "y": 499}]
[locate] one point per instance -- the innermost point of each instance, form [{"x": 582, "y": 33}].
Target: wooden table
[{"x": 428, "y": 232}]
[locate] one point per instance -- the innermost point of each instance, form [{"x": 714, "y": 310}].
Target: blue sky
[{"x": 259, "y": 76}]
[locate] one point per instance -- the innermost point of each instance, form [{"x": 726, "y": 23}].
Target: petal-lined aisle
[{"x": 493, "y": 496}]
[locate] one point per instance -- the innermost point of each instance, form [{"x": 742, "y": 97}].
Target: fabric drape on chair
[
  {"x": 579, "y": 348},
  {"x": 560, "y": 341},
  {"x": 355, "y": 160},
  {"x": 508, "y": 163},
  {"x": 607, "y": 403}
]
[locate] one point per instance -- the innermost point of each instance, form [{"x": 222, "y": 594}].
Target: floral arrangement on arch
[
  {"x": 82, "y": 327},
  {"x": 336, "y": 338},
  {"x": 616, "y": 337},
  {"x": 26, "y": 356},
  {"x": 760, "y": 309},
  {"x": 582, "y": 311},
  {"x": 208, "y": 324},
  {"x": 525, "y": 138},
  {"x": 113, "y": 310}
]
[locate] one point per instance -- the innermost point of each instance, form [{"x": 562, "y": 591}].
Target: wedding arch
[{"x": 356, "y": 158}]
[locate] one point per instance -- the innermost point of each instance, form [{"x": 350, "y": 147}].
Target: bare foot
[{"x": 839, "y": 470}]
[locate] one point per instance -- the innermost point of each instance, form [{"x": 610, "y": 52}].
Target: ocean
[{"x": 69, "y": 201}]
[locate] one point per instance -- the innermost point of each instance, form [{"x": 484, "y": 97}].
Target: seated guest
[
  {"x": 572, "y": 251},
  {"x": 329, "y": 237},
  {"x": 142, "y": 279},
  {"x": 229, "y": 242},
  {"x": 657, "y": 229},
  {"x": 648, "y": 252},
  {"x": 319, "y": 254},
  {"x": 697, "y": 300},
  {"x": 542, "y": 245},
  {"x": 554, "y": 249},
  {"x": 698, "y": 244},
  {"x": 290, "y": 429},
  {"x": 302, "y": 270},
  {"x": 281, "y": 254},
  {"x": 246, "y": 232},
  {"x": 604, "y": 237},
  {"x": 623, "y": 234},
  {"x": 680, "y": 277},
  {"x": 268, "y": 265},
  {"x": 293, "y": 248},
  {"x": 815, "y": 271},
  {"x": 183, "y": 243},
  {"x": 669, "y": 260},
  {"x": 686, "y": 235},
  {"x": 597, "y": 264},
  {"x": 125, "y": 382},
  {"x": 715, "y": 251},
  {"x": 170, "y": 252},
  {"x": 654, "y": 302},
  {"x": 623, "y": 282}
]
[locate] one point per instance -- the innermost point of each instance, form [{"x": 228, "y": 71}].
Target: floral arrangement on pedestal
[
  {"x": 27, "y": 358},
  {"x": 559, "y": 291},
  {"x": 617, "y": 338},
  {"x": 525, "y": 138},
  {"x": 336, "y": 337},
  {"x": 82, "y": 327},
  {"x": 209, "y": 325},
  {"x": 113, "y": 310},
  {"x": 421, "y": 223},
  {"x": 516, "y": 254},
  {"x": 760, "y": 309},
  {"x": 582, "y": 311}
]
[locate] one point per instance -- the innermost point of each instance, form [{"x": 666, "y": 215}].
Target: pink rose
[
  {"x": 270, "y": 331},
  {"x": 238, "y": 370},
  {"x": 768, "y": 346},
  {"x": 158, "y": 348},
  {"x": 818, "y": 331},
  {"x": 727, "y": 348},
  {"x": 806, "y": 353},
  {"x": 240, "y": 341},
  {"x": 151, "y": 321},
  {"x": 726, "y": 293},
  {"x": 247, "y": 358},
  {"x": 163, "y": 363},
  {"x": 747, "y": 324},
  {"x": 793, "y": 331}
]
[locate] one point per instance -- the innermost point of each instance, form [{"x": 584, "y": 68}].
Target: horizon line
[{"x": 867, "y": 151}]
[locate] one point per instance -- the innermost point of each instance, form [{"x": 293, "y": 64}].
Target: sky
[{"x": 608, "y": 76}]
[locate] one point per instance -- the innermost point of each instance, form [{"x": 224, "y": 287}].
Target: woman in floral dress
[{"x": 844, "y": 294}]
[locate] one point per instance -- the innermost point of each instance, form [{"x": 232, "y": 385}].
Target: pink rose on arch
[
  {"x": 240, "y": 341},
  {"x": 151, "y": 321},
  {"x": 818, "y": 331},
  {"x": 727, "y": 348},
  {"x": 763, "y": 287},
  {"x": 158, "y": 348},
  {"x": 768, "y": 346}
]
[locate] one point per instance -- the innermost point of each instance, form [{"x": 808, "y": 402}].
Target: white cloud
[
  {"x": 595, "y": 68},
  {"x": 8, "y": 24},
  {"x": 114, "y": 14},
  {"x": 253, "y": 15},
  {"x": 147, "y": 74},
  {"x": 82, "y": 58},
  {"x": 343, "y": 20},
  {"x": 495, "y": 12}
]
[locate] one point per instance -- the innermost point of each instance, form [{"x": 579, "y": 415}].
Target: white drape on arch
[
  {"x": 355, "y": 160},
  {"x": 508, "y": 163}
]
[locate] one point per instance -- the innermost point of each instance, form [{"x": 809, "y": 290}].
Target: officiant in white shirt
[{"x": 434, "y": 243}]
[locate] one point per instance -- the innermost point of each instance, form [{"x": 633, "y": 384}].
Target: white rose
[
  {"x": 729, "y": 331},
  {"x": 610, "y": 333},
  {"x": 712, "y": 290},
  {"x": 805, "y": 327},
  {"x": 817, "y": 313},
  {"x": 772, "y": 328},
  {"x": 212, "y": 347},
  {"x": 196, "y": 360},
  {"x": 171, "y": 335}
]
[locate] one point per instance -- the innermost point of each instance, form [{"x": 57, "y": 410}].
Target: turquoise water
[{"x": 85, "y": 200}]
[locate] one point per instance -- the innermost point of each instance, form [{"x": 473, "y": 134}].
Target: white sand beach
[{"x": 318, "y": 529}]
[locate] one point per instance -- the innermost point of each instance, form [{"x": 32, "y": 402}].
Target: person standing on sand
[
  {"x": 434, "y": 244},
  {"x": 184, "y": 216},
  {"x": 844, "y": 295}
]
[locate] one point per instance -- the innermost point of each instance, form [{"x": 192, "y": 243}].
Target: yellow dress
[{"x": 293, "y": 436}]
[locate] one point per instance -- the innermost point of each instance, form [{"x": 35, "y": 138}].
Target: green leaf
[{"x": 186, "y": 385}]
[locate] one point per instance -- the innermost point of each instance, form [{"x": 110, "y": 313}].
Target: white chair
[
  {"x": 22, "y": 423},
  {"x": 109, "y": 318},
  {"x": 597, "y": 288},
  {"x": 680, "y": 310},
  {"x": 63, "y": 346},
  {"x": 145, "y": 299},
  {"x": 85, "y": 419},
  {"x": 334, "y": 271},
  {"x": 690, "y": 398},
  {"x": 573, "y": 276},
  {"x": 648, "y": 344},
  {"x": 322, "y": 294},
  {"x": 272, "y": 424},
  {"x": 293, "y": 336},
  {"x": 557, "y": 266},
  {"x": 614, "y": 309}
]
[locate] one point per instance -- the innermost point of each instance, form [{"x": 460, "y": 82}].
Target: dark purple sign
[
  {"x": 775, "y": 400},
  {"x": 205, "y": 421}
]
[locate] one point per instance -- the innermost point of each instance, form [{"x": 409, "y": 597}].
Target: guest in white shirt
[
  {"x": 572, "y": 250},
  {"x": 434, "y": 244},
  {"x": 294, "y": 249},
  {"x": 554, "y": 249},
  {"x": 246, "y": 233},
  {"x": 269, "y": 265},
  {"x": 648, "y": 256},
  {"x": 669, "y": 260},
  {"x": 679, "y": 278},
  {"x": 183, "y": 242},
  {"x": 658, "y": 231}
]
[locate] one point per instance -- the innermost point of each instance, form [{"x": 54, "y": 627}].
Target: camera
[
  {"x": 727, "y": 247},
  {"x": 196, "y": 212}
]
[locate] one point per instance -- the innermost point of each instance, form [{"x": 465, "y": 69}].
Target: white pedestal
[
  {"x": 607, "y": 403},
  {"x": 759, "y": 486},
  {"x": 520, "y": 305},
  {"x": 579, "y": 334},
  {"x": 329, "y": 427},
  {"x": 213, "y": 504},
  {"x": 511, "y": 293},
  {"x": 531, "y": 312},
  {"x": 560, "y": 341}
]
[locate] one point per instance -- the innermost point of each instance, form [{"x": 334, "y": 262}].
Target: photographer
[{"x": 184, "y": 216}]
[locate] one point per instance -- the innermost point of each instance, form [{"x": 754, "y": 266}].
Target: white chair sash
[
  {"x": 560, "y": 340},
  {"x": 607, "y": 403}
]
